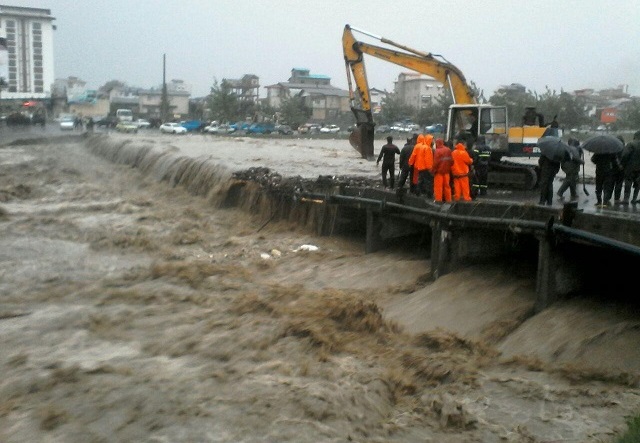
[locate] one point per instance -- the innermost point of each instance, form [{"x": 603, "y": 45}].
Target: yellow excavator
[{"x": 466, "y": 115}]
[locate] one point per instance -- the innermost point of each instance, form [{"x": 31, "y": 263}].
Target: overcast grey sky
[{"x": 562, "y": 44}]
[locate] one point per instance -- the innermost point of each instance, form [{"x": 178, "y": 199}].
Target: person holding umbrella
[
  {"x": 631, "y": 162},
  {"x": 552, "y": 151},
  {"x": 605, "y": 149},
  {"x": 607, "y": 165},
  {"x": 548, "y": 170},
  {"x": 571, "y": 167},
  {"x": 618, "y": 177}
]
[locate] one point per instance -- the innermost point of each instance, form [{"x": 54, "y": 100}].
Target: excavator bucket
[{"x": 361, "y": 139}]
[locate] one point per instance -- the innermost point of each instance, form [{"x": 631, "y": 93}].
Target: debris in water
[{"x": 306, "y": 248}]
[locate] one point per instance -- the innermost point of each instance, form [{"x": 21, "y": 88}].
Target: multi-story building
[
  {"x": 327, "y": 102},
  {"x": 418, "y": 90},
  {"x": 246, "y": 88},
  {"x": 26, "y": 66},
  {"x": 150, "y": 102},
  {"x": 377, "y": 96},
  {"x": 71, "y": 96}
]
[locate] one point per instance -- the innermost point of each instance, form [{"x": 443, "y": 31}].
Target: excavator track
[{"x": 512, "y": 175}]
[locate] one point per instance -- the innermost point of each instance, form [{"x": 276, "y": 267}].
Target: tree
[
  {"x": 435, "y": 112},
  {"x": 294, "y": 111},
  {"x": 394, "y": 110},
  {"x": 516, "y": 98},
  {"x": 223, "y": 102},
  {"x": 629, "y": 117},
  {"x": 570, "y": 110}
]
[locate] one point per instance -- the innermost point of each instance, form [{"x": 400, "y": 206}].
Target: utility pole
[
  {"x": 2, "y": 85},
  {"x": 164, "y": 99}
]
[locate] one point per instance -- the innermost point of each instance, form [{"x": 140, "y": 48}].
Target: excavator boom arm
[
  {"x": 359, "y": 94},
  {"x": 424, "y": 63}
]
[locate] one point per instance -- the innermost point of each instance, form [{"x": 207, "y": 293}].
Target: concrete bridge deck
[{"x": 572, "y": 248}]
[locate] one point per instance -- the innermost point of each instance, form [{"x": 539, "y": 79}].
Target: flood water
[{"x": 134, "y": 308}]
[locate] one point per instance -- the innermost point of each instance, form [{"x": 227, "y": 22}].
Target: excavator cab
[{"x": 472, "y": 120}]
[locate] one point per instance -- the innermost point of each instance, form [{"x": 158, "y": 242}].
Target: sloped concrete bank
[{"x": 259, "y": 191}]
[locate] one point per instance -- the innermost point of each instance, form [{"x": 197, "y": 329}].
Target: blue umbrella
[{"x": 603, "y": 144}]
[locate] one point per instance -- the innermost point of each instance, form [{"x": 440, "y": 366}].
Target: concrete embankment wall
[{"x": 202, "y": 177}]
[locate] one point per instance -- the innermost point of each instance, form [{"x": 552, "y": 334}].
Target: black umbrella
[
  {"x": 553, "y": 148},
  {"x": 575, "y": 154},
  {"x": 603, "y": 144}
]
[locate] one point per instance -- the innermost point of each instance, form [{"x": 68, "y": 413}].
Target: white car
[
  {"x": 67, "y": 123},
  {"x": 331, "y": 129},
  {"x": 142, "y": 123},
  {"x": 219, "y": 129},
  {"x": 172, "y": 128}
]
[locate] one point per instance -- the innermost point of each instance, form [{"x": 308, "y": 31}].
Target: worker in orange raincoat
[
  {"x": 460, "y": 170},
  {"x": 422, "y": 161},
  {"x": 442, "y": 162}
]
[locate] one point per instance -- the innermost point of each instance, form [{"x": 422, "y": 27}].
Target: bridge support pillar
[
  {"x": 546, "y": 275},
  {"x": 374, "y": 241},
  {"x": 559, "y": 272},
  {"x": 440, "y": 250}
]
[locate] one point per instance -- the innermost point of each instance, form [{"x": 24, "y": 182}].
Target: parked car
[
  {"x": 172, "y": 128},
  {"x": 108, "y": 121},
  {"x": 67, "y": 123},
  {"x": 284, "y": 129},
  {"x": 434, "y": 129},
  {"x": 398, "y": 127},
  {"x": 193, "y": 125},
  {"x": 142, "y": 123},
  {"x": 211, "y": 129},
  {"x": 330, "y": 129},
  {"x": 129, "y": 127},
  {"x": 309, "y": 128},
  {"x": 261, "y": 128},
  {"x": 218, "y": 129},
  {"x": 383, "y": 129},
  {"x": 240, "y": 126},
  {"x": 38, "y": 119}
]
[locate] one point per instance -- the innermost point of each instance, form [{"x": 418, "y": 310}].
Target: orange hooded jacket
[
  {"x": 422, "y": 156},
  {"x": 461, "y": 161},
  {"x": 442, "y": 159}
]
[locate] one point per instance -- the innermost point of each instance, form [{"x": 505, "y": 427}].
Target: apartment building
[
  {"x": 418, "y": 90},
  {"x": 326, "y": 101},
  {"x": 26, "y": 52}
]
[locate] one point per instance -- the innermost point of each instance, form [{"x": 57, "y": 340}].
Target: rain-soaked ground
[{"x": 134, "y": 308}]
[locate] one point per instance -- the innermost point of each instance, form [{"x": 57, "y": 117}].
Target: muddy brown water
[{"x": 133, "y": 307}]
